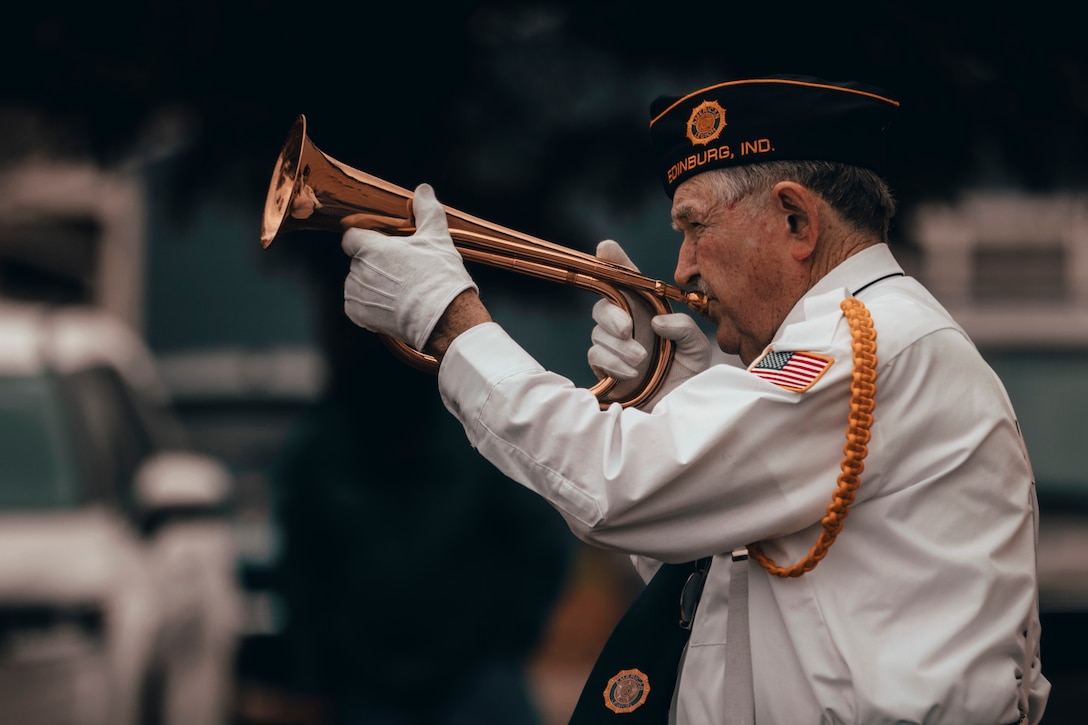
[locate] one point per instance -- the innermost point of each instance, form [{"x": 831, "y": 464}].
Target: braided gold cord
[{"x": 860, "y": 420}]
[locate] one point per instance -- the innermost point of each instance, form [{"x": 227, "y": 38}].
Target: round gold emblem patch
[
  {"x": 706, "y": 122},
  {"x": 626, "y": 691}
]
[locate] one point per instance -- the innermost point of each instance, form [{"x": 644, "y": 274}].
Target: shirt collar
[{"x": 853, "y": 273}]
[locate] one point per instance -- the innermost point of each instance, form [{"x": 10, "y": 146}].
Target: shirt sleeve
[{"x": 724, "y": 460}]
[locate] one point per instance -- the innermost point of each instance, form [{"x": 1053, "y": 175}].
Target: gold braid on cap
[{"x": 862, "y": 392}]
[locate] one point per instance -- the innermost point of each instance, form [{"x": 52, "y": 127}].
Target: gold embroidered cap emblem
[
  {"x": 626, "y": 691},
  {"x": 706, "y": 123}
]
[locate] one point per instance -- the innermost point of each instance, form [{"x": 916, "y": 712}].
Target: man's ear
[{"x": 800, "y": 211}]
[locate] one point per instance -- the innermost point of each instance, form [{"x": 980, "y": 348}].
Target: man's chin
[{"x": 728, "y": 341}]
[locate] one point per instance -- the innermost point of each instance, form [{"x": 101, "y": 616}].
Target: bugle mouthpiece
[{"x": 697, "y": 301}]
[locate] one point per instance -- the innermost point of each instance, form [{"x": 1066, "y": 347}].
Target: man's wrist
[{"x": 464, "y": 312}]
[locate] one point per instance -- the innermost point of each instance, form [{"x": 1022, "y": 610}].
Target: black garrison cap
[{"x": 782, "y": 117}]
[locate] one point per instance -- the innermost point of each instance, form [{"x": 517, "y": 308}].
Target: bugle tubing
[{"x": 310, "y": 190}]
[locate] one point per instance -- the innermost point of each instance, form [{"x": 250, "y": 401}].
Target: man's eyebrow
[{"x": 682, "y": 213}]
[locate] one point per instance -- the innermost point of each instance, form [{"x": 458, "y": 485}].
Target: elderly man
[{"x": 857, "y": 395}]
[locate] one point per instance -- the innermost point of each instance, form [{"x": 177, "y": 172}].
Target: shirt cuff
[{"x": 476, "y": 361}]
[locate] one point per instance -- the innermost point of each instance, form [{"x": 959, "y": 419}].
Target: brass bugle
[{"x": 310, "y": 190}]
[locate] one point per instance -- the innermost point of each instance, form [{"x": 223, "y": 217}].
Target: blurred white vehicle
[{"x": 118, "y": 594}]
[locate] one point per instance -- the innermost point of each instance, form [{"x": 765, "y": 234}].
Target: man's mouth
[{"x": 710, "y": 299}]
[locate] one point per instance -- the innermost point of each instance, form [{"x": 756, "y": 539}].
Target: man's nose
[{"x": 686, "y": 267}]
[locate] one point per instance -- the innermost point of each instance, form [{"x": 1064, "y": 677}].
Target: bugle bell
[{"x": 310, "y": 190}]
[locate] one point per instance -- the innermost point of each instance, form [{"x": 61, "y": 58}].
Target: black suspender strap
[{"x": 878, "y": 279}]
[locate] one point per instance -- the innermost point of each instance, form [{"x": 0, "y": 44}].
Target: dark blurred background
[{"x": 533, "y": 116}]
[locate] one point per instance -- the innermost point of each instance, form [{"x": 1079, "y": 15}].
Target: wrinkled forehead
[
  {"x": 693, "y": 195},
  {"x": 704, "y": 195}
]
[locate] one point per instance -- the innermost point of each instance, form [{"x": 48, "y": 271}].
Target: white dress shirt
[{"x": 925, "y": 608}]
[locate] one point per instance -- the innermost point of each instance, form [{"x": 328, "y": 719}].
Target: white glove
[
  {"x": 621, "y": 343},
  {"x": 400, "y": 286},
  {"x": 692, "y": 354},
  {"x": 615, "y": 351}
]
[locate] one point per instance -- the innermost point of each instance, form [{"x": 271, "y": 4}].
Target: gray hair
[{"x": 861, "y": 196}]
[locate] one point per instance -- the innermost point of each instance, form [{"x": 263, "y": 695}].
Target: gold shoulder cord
[{"x": 862, "y": 392}]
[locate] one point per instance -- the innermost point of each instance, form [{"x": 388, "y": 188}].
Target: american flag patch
[{"x": 796, "y": 371}]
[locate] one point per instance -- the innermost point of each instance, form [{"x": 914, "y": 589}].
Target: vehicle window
[
  {"x": 38, "y": 469},
  {"x": 112, "y": 437}
]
